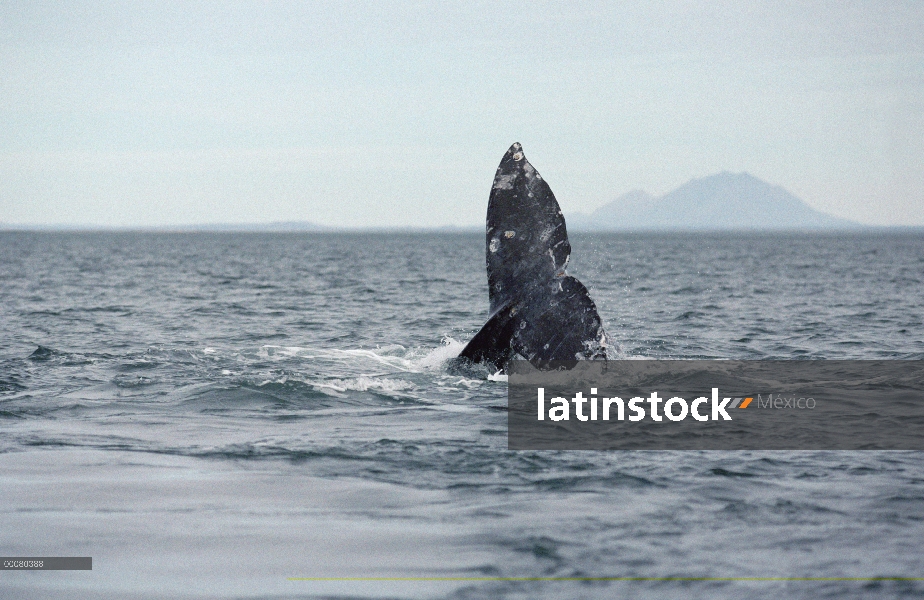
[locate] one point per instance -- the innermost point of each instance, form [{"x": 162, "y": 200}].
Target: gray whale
[{"x": 537, "y": 310}]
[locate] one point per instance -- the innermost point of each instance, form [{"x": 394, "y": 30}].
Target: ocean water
[{"x": 232, "y": 415}]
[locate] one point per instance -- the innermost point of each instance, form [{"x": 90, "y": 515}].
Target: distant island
[
  {"x": 276, "y": 227},
  {"x": 722, "y": 201}
]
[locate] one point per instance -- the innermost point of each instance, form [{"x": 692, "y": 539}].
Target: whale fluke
[{"x": 538, "y": 311}]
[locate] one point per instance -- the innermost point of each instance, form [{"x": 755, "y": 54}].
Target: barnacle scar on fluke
[{"x": 538, "y": 311}]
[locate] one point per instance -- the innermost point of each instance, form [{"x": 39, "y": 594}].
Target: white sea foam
[
  {"x": 336, "y": 355},
  {"x": 364, "y": 383},
  {"x": 437, "y": 357},
  {"x": 393, "y": 355},
  {"x": 499, "y": 376}
]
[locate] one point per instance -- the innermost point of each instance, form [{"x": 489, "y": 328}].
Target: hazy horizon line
[{"x": 311, "y": 227}]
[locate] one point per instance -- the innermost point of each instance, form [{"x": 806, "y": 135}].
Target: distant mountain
[{"x": 722, "y": 201}]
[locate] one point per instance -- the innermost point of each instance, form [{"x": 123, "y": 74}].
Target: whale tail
[{"x": 538, "y": 311}]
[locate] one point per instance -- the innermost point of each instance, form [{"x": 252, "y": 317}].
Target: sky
[{"x": 396, "y": 113}]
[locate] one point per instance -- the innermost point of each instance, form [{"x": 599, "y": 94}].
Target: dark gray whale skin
[{"x": 538, "y": 311}]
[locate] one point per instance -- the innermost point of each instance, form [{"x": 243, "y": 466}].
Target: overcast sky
[{"x": 397, "y": 113}]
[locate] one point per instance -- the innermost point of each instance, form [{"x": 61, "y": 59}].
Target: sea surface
[{"x": 239, "y": 415}]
